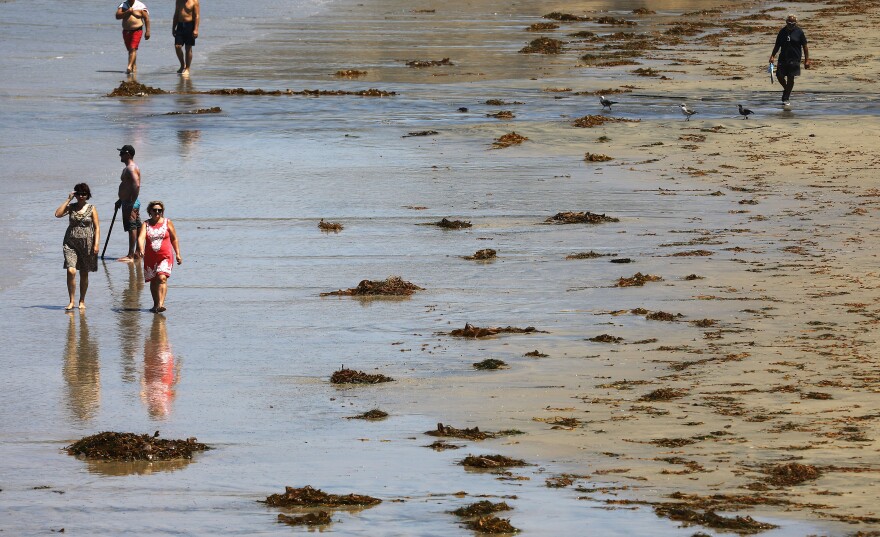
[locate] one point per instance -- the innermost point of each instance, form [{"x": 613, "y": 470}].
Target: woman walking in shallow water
[
  {"x": 157, "y": 243},
  {"x": 80, "y": 241}
]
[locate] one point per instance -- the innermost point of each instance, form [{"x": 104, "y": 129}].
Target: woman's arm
[
  {"x": 142, "y": 240},
  {"x": 64, "y": 207},
  {"x": 172, "y": 233},
  {"x": 97, "y": 229}
]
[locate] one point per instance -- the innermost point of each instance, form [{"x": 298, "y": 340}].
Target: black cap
[{"x": 127, "y": 149}]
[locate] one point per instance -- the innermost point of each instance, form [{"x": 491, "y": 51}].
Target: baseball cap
[{"x": 127, "y": 149}]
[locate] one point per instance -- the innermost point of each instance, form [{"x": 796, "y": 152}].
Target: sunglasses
[
  {"x": 80, "y": 194},
  {"x": 156, "y": 211}
]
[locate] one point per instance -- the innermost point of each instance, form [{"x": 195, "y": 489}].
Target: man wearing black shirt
[{"x": 789, "y": 42}]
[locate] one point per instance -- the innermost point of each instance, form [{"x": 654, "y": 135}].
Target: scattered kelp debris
[
  {"x": 565, "y": 17},
  {"x": 491, "y": 524},
  {"x": 590, "y": 121},
  {"x": 319, "y": 518},
  {"x": 673, "y": 442},
  {"x": 693, "y": 253},
  {"x": 606, "y": 338},
  {"x": 543, "y": 45},
  {"x": 742, "y": 525},
  {"x": 571, "y": 217},
  {"x": 312, "y": 497},
  {"x": 374, "y": 414},
  {"x": 662, "y": 315},
  {"x": 482, "y": 255},
  {"x": 637, "y": 280},
  {"x": 442, "y": 445},
  {"x": 448, "y": 431},
  {"x": 646, "y": 71},
  {"x": 477, "y": 332},
  {"x": 503, "y": 114},
  {"x": 559, "y": 481},
  {"x": 820, "y": 396},
  {"x": 664, "y": 394},
  {"x": 704, "y": 323},
  {"x": 349, "y": 73},
  {"x": 558, "y": 422},
  {"x": 372, "y": 92},
  {"x": 418, "y": 64},
  {"x": 613, "y": 59},
  {"x": 792, "y": 473},
  {"x": 509, "y": 139},
  {"x": 212, "y": 110},
  {"x": 490, "y": 363},
  {"x": 620, "y": 260},
  {"x": 499, "y": 102},
  {"x": 335, "y": 227},
  {"x": 587, "y": 255},
  {"x": 614, "y": 21},
  {"x": 419, "y": 133},
  {"x": 392, "y": 286},
  {"x": 542, "y": 27},
  {"x": 536, "y": 354},
  {"x": 491, "y": 461},
  {"x": 113, "y": 446},
  {"x": 350, "y": 376},
  {"x": 692, "y": 277},
  {"x": 597, "y": 157},
  {"x": 130, "y": 88},
  {"x": 622, "y": 384},
  {"x": 643, "y": 11},
  {"x": 445, "y": 223},
  {"x": 638, "y": 311},
  {"x": 481, "y": 508},
  {"x": 606, "y": 91}
]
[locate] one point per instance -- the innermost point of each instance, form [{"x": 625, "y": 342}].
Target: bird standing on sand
[
  {"x": 744, "y": 112},
  {"x": 687, "y": 111},
  {"x": 605, "y": 102}
]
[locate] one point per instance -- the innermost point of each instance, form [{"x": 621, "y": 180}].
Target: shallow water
[{"x": 242, "y": 357}]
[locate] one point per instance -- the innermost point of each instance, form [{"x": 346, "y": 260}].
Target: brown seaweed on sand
[
  {"x": 503, "y": 114},
  {"x": 490, "y": 363},
  {"x": 606, "y": 338},
  {"x": 791, "y": 473},
  {"x": 482, "y": 255},
  {"x": 393, "y": 286},
  {"x": 112, "y": 446},
  {"x": 543, "y": 45},
  {"x": 350, "y": 376},
  {"x": 596, "y": 157},
  {"x": 312, "y": 497},
  {"x": 374, "y": 414},
  {"x": 491, "y": 524},
  {"x": 542, "y": 27},
  {"x": 661, "y": 316},
  {"x": 349, "y": 73},
  {"x": 450, "y": 224},
  {"x": 536, "y": 354},
  {"x": 442, "y": 445},
  {"x": 130, "y": 88},
  {"x": 481, "y": 508},
  {"x": 507, "y": 140},
  {"x": 587, "y": 255},
  {"x": 590, "y": 121},
  {"x": 372, "y": 92},
  {"x": 335, "y": 227},
  {"x": 565, "y": 17},
  {"x": 212, "y": 110},
  {"x": 418, "y": 64},
  {"x": 477, "y": 332},
  {"x": 319, "y": 518},
  {"x": 637, "y": 280},
  {"x": 491, "y": 461},
  {"x": 742, "y": 525},
  {"x": 663, "y": 394},
  {"x": 448, "y": 431},
  {"x": 419, "y": 133},
  {"x": 571, "y": 217}
]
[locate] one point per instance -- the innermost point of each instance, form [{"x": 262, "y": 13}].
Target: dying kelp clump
[
  {"x": 606, "y": 338},
  {"x": 349, "y": 73},
  {"x": 596, "y": 157},
  {"x": 335, "y": 227},
  {"x": 489, "y": 364},
  {"x": 350, "y": 376},
  {"x": 372, "y": 92},
  {"x": 507, "y": 140},
  {"x": 418, "y": 64},
  {"x": 503, "y": 114},
  {"x": 312, "y": 497},
  {"x": 393, "y": 286},
  {"x": 451, "y": 224},
  {"x": 320, "y": 518},
  {"x": 587, "y": 255},
  {"x": 637, "y": 280},
  {"x": 212, "y": 110},
  {"x": 565, "y": 17},
  {"x": 482, "y": 255},
  {"x": 742, "y": 525},
  {"x": 130, "y": 88},
  {"x": 591, "y": 121},
  {"x": 491, "y": 524},
  {"x": 664, "y": 394},
  {"x": 112, "y": 446},
  {"x": 481, "y": 508},
  {"x": 543, "y": 45},
  {"x": 491, "y": 461},
  {"x": 448, "y": 431},
  {"x": 477, "y": 332},
  {"x": 791, "y": 473},
  {"x": 535, "y": 354},
  {"x": 571, "y": 217},
  {"x": 542, "y": 27},
  {"x": 374, "y": 414}
]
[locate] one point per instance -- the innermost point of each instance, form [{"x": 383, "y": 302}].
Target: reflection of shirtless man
[
  {"x": 185, "y": 29},
  {"x": 129, "y": 190},
  {"x": 135, "y": 19}
]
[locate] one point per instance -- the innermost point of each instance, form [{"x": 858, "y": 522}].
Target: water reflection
[
  {"x": 160, "y": 371},
  {"x": 187, "y": 139},
  {"x": 130, "y": 320},
  {"x": 82, "y": 370},
  {"x": 117, "y": 468}
]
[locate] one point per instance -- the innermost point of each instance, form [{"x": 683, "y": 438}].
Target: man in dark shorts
[
  {"x": 185, "y": 29},
  {"x": 789, "y": 43},
  {"x": 129, "y": 190},
  {"x": 135, "y": 19}
]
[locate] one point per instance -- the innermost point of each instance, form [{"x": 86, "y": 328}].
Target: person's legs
[
  {"x": 154, "y": 291},
  {"x": 132, "y": 57},
  {"x": 163, "y": 290},
  {"x": 83, "y": 287},
  {"x": 789, "y": 85},
  {"x": 71, "y": 286},
  {"x": 179, "y": 50},
  {"x": 189, "y": 57}
]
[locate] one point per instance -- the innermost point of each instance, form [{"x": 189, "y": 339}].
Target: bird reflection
[
  {"x": 160, "y": 371},
  {"x": 82, "y": 370}
]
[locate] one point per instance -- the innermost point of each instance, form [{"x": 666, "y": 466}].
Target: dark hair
[
  {"x": 83, "y": 188},
  {"x": 154, "y": 203}
]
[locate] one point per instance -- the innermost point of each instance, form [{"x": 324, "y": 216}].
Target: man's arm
[
  {"x": 135, "y": 175},
  {"x": 175, "y": 18},
  {"x": 196, "y": 18},
  {"x": 776, "y": 47},
  {"x": 806, "y": 57},
  {"x": 122, "y": 13},
  {"x": 146, "y": 24}
]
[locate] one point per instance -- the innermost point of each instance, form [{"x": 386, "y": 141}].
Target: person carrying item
[
  {"x": 81, "y": 241},
  {"x": 157, "y": 242},
  {"x": 185, "y": 29},
  {"x": 789, "y": 43},
  {"x": 135, "y": 19}
]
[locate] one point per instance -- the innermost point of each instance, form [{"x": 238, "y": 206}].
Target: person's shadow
[
  {"x": 161, "y": 372},
  {"x": 82, "y": 369}
]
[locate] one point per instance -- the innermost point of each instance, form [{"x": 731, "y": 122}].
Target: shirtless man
[
  {"x": 135, "y": 20},
  {"x": 129, "y": 189},
  {"x": 185, "y": 29}
]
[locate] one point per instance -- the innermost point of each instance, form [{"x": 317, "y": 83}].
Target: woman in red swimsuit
[{"x": 157, "y": 243}]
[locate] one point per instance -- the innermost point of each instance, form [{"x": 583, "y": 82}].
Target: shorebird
[
  {"x": 687, "y": 111},
  {"x": 744, "y": 112},
  {"x": 605, "y": 102}
]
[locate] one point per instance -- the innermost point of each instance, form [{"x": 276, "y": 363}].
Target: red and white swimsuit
[{"x": 158, "y": 253}]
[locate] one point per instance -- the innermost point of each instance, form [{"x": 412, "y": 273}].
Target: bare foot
[
  {"x": 69, "y": 307},
  {"x": 128, "y": 71},
  {"x": 185, "y": 72},
  {"x": 160, "y": 309},
  {"x": 126, "y": 259},
  {"x": 82, "y": 305},
  {"x": 181, "y": 69}
]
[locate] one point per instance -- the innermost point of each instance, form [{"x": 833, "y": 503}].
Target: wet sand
[{"x": 768, "y": 359}]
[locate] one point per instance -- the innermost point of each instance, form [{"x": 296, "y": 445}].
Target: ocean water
[{"x": 242, "y": 358}]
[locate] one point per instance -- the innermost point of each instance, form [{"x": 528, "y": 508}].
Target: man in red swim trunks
[{"x": 135, "y": 23}]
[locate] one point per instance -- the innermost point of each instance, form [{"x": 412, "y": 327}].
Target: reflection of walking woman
[
  {"x": 157, "y": 242},
  {"x": 80, "y": 241}
]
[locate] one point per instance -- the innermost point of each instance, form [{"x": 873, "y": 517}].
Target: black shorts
[
  {"x": 788, "y": 69},
  {"x": 184, "y": 34}
]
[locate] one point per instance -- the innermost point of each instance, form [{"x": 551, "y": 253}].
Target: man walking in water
[
  {"x": 135, "y": 19},
  {"x": 789, "y": 42},
  {"x": 185, "y": 29},
  {"x": 129, "y": 189}
]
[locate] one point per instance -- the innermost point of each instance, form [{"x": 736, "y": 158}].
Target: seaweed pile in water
[{"x": 112, "y": 446}]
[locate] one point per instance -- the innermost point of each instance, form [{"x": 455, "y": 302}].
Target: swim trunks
[
  {"x": 184, "y": 34},
  {"x": 132, "y": 38},
  {"x": 131, "y": 215}
]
